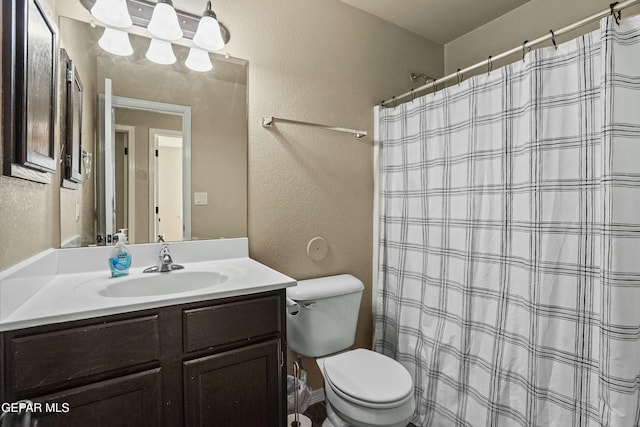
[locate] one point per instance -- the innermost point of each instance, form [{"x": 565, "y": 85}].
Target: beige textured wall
[
  {"x": 529, "y": 21},
  {"x": 29, "y": 219},
  {"x": 69, "y": 226}
]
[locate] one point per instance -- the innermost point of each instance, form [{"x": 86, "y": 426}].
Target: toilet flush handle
[
  {"x": 290, "y": 302},
  {"x": 293, "y": 307}
]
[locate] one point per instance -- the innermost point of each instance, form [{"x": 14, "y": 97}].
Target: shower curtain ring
[
  {"x": 553, "y": 39},
  {"x": 395, "y": 102},
  {"x": 524, "y": 47},
  {"x": 489, "y": 64},
  {"x": 615, "y": 15},
  {"x": 413, "y": 96},
  {"x": 460, "y": 76},
  {"x": 435, "y": 86}
]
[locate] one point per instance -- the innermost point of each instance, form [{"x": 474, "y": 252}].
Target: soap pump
[{"x": 120, "y": 260}]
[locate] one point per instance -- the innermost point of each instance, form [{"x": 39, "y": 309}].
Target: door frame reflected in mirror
[
  {"x": 129, "y": 179},
  {"x": 105, "y": 178}
]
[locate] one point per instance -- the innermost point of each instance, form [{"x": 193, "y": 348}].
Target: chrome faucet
[{"x": 165, "y": 262}]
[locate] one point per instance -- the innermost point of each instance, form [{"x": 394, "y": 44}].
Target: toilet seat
[{"x": 368, "y": 379}]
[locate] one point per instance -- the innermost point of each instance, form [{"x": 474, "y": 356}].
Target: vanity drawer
[
  {"x": 53, "y": 358},
  {"x": 220, "y": 324}
]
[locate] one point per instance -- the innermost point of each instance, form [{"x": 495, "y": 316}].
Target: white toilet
[{"x": 362, "y": 388}]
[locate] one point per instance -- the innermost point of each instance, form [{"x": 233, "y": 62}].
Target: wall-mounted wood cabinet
[{"x": 211, "y": 363}]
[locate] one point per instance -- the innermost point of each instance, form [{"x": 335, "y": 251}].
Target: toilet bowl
[
  {"x": 366, "y": 389},
  {"x": 362, "y": 388}
]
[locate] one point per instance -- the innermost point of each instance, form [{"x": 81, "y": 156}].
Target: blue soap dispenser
[{"x": 120, "y": 260}]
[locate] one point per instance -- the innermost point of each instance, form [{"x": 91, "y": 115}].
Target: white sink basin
[{"x": 153, "y": 284}]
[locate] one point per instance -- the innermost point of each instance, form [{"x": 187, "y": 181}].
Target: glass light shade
[
  {"x": 112, "y": 12},
  {"x": 208, "y": 36},
  {"x": 164, "y": 23},
  {"x": 160, "y": 52},
  {"x": 198, "y": 60},
  {"x": 115, "y": 42},
  {"x": 87, "y": 160}
]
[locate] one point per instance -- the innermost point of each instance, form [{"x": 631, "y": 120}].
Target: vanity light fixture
[
  {"x": 198, "y": 60},
  {"x": 160, "y": 52},
  {"x": 113, "y": 13},
  {"x": 164, "y": 22},
  {"x": 115, "y": 42},
  {"x": 208, "y": 36}
]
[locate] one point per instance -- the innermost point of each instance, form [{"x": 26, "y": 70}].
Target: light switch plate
[{"x": 200, "y": 198}]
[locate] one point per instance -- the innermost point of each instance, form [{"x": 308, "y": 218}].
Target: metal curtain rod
[
  {"x": 267, "y": 122},
  {"x": 615, "y": 7}
]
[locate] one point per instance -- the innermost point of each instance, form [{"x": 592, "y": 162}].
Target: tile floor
[{"x": 317, "y": 413}]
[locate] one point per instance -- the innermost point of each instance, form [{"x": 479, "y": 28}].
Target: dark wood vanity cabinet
[
  {"x": 210, "y": 363},
  {"x": 245, "y": 372},
  {"x": 126, "y": 401}
]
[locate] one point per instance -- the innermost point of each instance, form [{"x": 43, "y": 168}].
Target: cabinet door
[
  {"x": 237, "y": 388},
  {"x": 129, "y": 401}
]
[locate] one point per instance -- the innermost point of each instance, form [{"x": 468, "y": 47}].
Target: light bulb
[
  {"x": 164, "y": 23},
  {"x": 113, "y": 13},
  {"x": 198, "y": 60},
  {"x": 115, "y": 42},
  {"x": 160, "y": 52}
]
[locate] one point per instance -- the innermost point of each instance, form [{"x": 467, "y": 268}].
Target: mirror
[{"x": 197, "y": 187}]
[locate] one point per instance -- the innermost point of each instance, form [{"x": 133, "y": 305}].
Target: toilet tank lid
[{"x": 325, "y": 287}]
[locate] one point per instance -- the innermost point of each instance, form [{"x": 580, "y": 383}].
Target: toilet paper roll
[{"x": 302, "y": 419}]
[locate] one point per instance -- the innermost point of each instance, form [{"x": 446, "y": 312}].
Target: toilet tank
[{"x": 326, "y": 315}]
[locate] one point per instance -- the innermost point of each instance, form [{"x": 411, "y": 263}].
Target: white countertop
[{"x": 30, "y": 296}]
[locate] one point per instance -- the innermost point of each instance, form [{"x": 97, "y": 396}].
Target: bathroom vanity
[
  {"x": 211, "y": 363},
  {"x": 209, "y": 357}
]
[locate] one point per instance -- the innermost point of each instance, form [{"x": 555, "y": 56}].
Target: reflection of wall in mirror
[
  {"x": 85, "y": 224},
  {"x": 143, "y": 121}
]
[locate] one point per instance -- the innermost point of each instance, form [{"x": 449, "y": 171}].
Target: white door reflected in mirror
[{"x": 167, "y": 172}]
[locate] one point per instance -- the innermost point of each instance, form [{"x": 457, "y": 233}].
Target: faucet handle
[{"x": 164, "y": 250}]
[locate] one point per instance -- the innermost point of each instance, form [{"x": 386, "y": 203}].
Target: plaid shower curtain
[{"x": 509, "y": 271}]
